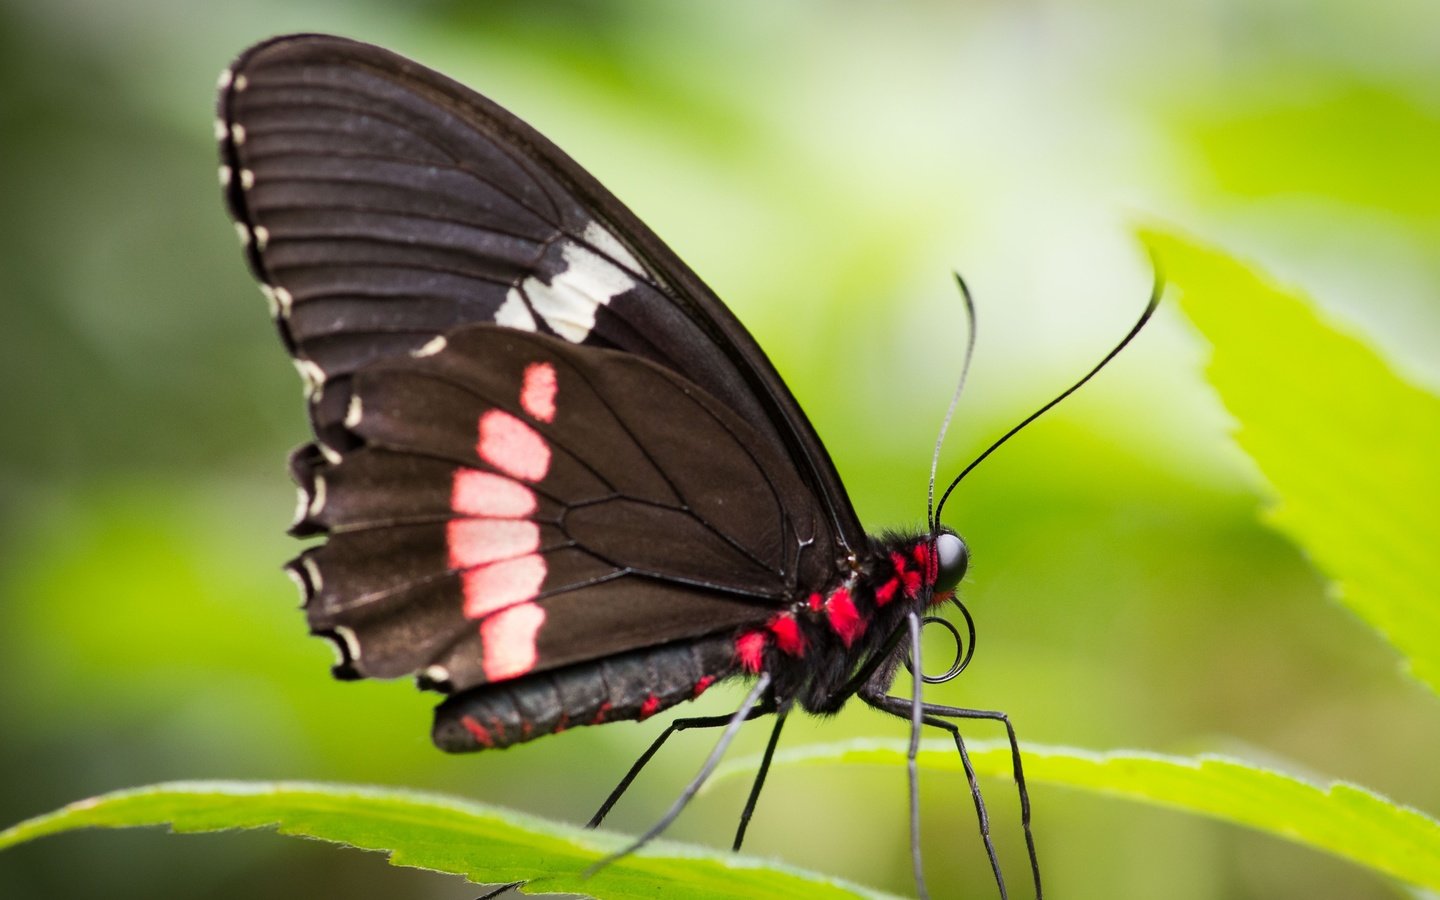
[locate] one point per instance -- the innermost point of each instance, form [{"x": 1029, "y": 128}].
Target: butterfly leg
[
  {"x": 752, "y": 706},
  {"x": 934, "y": 715},
  {"x": 759, "y": 782},
  {"x": 763, "y": 709}
]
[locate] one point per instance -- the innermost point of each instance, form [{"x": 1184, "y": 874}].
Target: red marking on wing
[
  {"x": 787, "y": 634},
  {"x": 750, "y": 650},
  {"x": 478, "y": 493},
  {"x": 507, "y": 640},
  {"x": 537, "y": 395},
  {"x": 703, "y": 684},
  {"x": 475, "y": 542},
  {"x": 479, "y": 732},
  {"x": 649, "y": 708},
  {"x": 512, "y": 446},
  {"x": 502, "y": 584},
  {"x": 844, "y": 617},
  {"x": 886, "y": 592}
]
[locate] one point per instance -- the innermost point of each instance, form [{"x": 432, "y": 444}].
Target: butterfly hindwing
[
  {"x": 383, "y": 205},
  {"x": 513, "y": 503}
]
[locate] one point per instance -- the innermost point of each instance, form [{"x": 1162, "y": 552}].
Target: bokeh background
[{"x": 825, "y": 165}]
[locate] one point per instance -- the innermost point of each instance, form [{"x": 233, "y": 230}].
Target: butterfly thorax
[{"x": 813, "y": 648}]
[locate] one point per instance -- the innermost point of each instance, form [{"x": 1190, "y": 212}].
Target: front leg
[{"x": 934, "y": 715}]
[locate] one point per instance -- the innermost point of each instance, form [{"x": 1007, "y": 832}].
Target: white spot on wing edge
[
  {"x": 302, "y": 506},
  {"x": 262, "y": 236},
  {"x": 270, "y": 300},
  {"x": 300, "y": 583},
  {"x": 312, "y": 572},
  {"x": 223, "y": 81},
  {"x": 607, "y": 243},
  {"x": 225, "y": 176},
  {"x": 346, "y": 637},
  {"x": 220, "y": 130},
  {"x": 247, "y": 179},
  {"x": 237, "y": 134},
  {"x": 431, "y": 347},
  {"x": 513, "y": 313},
  {"x": 317, "y": 499},
  {"x": 436, "y": 674},
  {"x": 332, "y": 456},
  {"x": 284, "y": 301},
  {"x": 313, "y": 375},
  {"x": 353, "y": 412},
  {"x": 243, "y": 233},
  {"x": 241, "y": 83}
]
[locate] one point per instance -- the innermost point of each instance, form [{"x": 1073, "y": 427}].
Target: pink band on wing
[
  {"x": 501, "y": 584},
  {"x": 477, "y": 493},
  {"x": 507, "y": 640},
  {"x": 475, "y": 542},
  {"x": 537, "y": 396},
  {"x": 512, "y": 446}
]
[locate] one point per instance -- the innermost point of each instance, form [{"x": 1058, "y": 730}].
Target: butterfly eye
[{"x": 954, "y": 559}]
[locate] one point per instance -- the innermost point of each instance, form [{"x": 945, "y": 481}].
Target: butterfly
[{"x": 557, "y": 480}]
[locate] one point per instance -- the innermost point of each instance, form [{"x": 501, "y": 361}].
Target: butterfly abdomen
[{"x": 628, "y": 686}]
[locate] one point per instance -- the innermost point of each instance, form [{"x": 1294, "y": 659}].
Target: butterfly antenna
[
  {"x": 1155, "y": 291},
  {"x": 932, "y": 519}
]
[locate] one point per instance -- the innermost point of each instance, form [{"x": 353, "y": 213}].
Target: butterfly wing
[
  {"x": 514, "y": 503},
  {"x": 383, "y": 204}
]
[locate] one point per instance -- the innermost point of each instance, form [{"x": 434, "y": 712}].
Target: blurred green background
[{"x": 825, "y": 165}]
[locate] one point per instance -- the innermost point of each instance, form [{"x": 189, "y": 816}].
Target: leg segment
[
  {"x": 752, "y": 703},
  {"x": 934, "y": 713}
]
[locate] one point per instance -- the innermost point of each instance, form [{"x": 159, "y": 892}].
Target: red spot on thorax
[
  {"x": 650, "y": 707},
  {"x": 512, "y": 446},
  {"x": 886, "y": 592},
  {"x": 750, "y": 650},
  {"x": 929, "y": 562},
  {"x": 479, "y": 732},
  {"x": 787, "y": 634},
  {"x": 537, "y": 395},
  {"x": 844, "y": 617},
  {"x": 817, "y": 602},
  {"x": 702, "y": 684},
  {"x": 910, "y": 579}
]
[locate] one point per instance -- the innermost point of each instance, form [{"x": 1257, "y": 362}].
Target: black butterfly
[{"x": 559, "y": 481}]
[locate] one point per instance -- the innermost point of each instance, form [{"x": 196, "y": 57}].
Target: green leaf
[
  {"x": 1350, "y": 449},
  {"x": 1339, "y": 818},
  {"x": 483, "y": 843}
]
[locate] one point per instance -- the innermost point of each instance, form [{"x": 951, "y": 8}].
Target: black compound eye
[{"x": 954, "y": 558}]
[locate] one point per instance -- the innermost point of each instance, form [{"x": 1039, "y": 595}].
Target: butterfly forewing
[{"x": 383, "y": 205}]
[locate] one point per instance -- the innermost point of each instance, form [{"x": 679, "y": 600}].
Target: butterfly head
[{"x": 951, "y": 559}]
